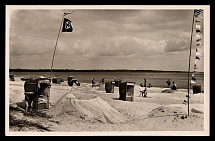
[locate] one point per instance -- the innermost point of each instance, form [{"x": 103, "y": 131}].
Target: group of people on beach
[
  {"x": 174, "y": 86},
  {"x": 143, "y": 92}
]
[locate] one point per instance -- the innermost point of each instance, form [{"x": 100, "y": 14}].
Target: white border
[{"x": 206, "y": 9}]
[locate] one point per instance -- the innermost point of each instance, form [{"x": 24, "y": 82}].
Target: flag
[
  {"x": 197, "y": 21},
  {"x": 197, "y": 57},
  {"x": 198, "y": 26},
  {"x": 197, "y": 12},
  {"x": 198, "y": 36},
  {"x": 66, "y": 14},
  {"x": 198, "y": 44},
  {"x": 196, "y": 61},
  {"x": 197, "y": 40},
  {"x": 198, "y": 31},
  {"x": 201, "y": 17},
  {"x": 192, "y": 82},
  {"x": 193, "y": 78},
  {"x": 67, "y": 26},
  {"x": 198, "y": 54}
]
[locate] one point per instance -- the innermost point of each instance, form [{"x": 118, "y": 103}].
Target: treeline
[{"x": 96, "y": 70}]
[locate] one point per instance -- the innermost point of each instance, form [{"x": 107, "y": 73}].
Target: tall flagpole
[
  {"x": 56, "y": 45},
  {"x": 188, "y": 90}
]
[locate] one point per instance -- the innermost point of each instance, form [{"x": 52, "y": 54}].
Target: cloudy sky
[{"x": 147, "y": 39}]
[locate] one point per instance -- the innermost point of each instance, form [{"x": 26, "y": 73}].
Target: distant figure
[
  {"x": 141, "y": 84},
  {"x": 143, "y": 92},
  {"x": 94, "y": 83},
  {"x": 144, "y": 82},
  {"x": 168, "y": 82},
  {"x": 103, "y": 80},
  {"x": 113, "y": 80},
  {"x": 150, "y": 85},
  {"x": 174, "y": 87},
  {"x": 11, "y": 76}
]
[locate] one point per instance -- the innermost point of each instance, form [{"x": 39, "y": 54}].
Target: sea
[{"x": 156, "y": 78}]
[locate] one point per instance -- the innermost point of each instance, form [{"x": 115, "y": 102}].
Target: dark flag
[
  {"x": 195, "y": 67},
  {"x": 67, "y": 26},
  {"x": 66, "y": 14},
  {"x": 197, "y": 12},
  {"x": 198, "y": 31},
  {"x": 193, "y": 78},
  {"x": 197, "y": 40},
  {"x": 198, "y": 27},
  {"x": 197, "y": 57}
]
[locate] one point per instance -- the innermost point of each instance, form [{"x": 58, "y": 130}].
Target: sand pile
[
  {"x": 165, "y": 111},
  {"x": 165, "y": 118},
  {"x": 92, "y": 110},
  {"x": 168, "y": 91}
]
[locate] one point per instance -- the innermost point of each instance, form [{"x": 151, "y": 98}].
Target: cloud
[
  {"x": 28, "y": 45},
  {"x": 173, "y": 46},
  {"x": 134, "y": 36},
  {"x": 129, "y": 47}
]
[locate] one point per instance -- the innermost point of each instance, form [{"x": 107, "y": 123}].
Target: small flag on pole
[
  {"x": 197, "y": 12},
  {"x": 198, "y": 44},
  {"x": 197, "y": 57},
  {"x": 67, "y": 26},
  {"x": 198, "y": 36},
  {"x": 198, "y": 54},
  {"x": 198, "y": 27},
  {"x": 198, "y": 31},
  {"x": 195, "y": 67},
  {"x": 66, "y": 14},
  {"x": 197, "y": 40},
  {"x": 196, "y": 61},
  {"x": 197, "y": 21},
  {"x": 193, "y": 78},
  {"x": 192, "y": 82}
]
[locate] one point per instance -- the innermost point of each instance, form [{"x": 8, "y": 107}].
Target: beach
[{"x": 90, "y": 109}]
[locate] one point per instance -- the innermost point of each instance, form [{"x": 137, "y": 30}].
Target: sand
[{"x": 85, "y": 109}]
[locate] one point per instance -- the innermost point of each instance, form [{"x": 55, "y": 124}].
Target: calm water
[{"x": 157, "y": 79}]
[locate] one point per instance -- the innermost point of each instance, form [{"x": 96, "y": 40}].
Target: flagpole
[
  {"x": 56, "y": 45},
  {"x": 189, "y": 65}
]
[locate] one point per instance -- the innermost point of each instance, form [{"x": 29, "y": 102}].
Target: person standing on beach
[
  {"x": 144, "y": 82},
  {"x": 145, "y": 91},
  {"x": 174, "y": 86},
  {"x": 93, "y": 82},
  {"x": 168, "y": 82}
]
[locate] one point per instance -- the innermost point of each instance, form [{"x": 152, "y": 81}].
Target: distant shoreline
[{"x": 90, "y": 70}]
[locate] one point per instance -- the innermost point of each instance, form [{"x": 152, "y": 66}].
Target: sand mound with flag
[
  {"x": 92, "y": 110},
  {"x": 168, "y": 118}
]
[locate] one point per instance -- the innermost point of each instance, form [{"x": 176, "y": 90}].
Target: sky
[{"x": 145, "y": 39}]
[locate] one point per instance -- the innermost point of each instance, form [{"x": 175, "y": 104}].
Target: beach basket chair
[{"x": 31, "y": 94}]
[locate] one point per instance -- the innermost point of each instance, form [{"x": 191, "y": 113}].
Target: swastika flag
[{"x": 67, "y": 25}]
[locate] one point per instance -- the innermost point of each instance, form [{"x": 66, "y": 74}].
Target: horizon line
[{"x": 105, "y": 70}]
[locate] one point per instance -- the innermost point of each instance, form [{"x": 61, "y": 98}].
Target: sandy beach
[{"x": 90, "y": 109}]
